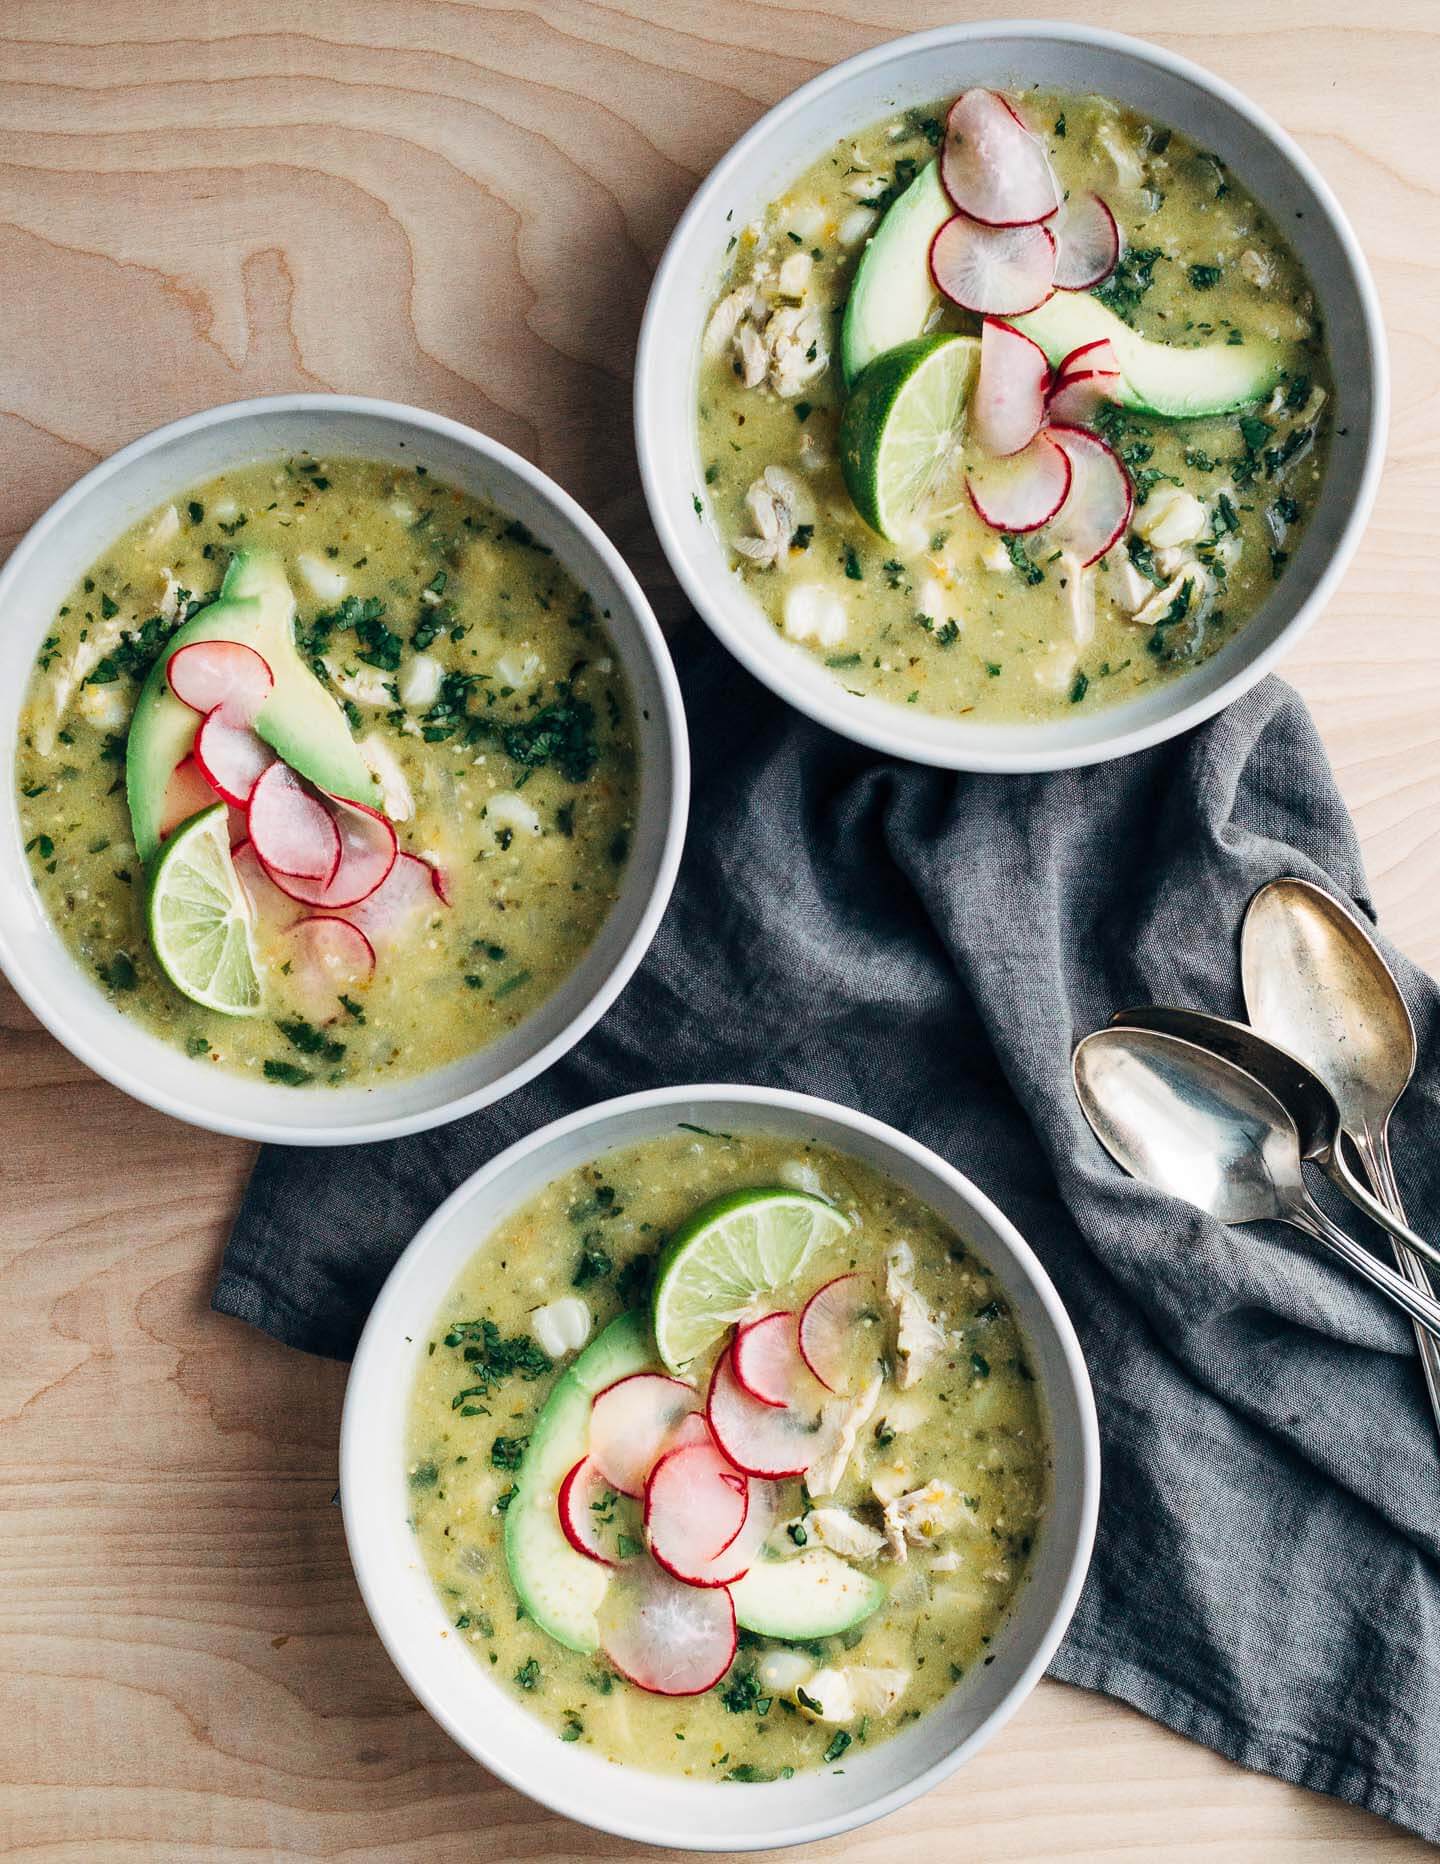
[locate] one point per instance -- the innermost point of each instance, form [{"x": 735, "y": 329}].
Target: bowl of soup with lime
[
  {"x": 348, "y": 769},
  {"x": 719, "y": 1466},
  {"x": 1017, "y": 438}
]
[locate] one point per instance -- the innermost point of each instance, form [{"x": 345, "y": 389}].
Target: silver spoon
[
  {"x": 1316, "y": 983},
  {"x": 1196, "y": 1126},
  {"x": 1297, "y": 1087}
]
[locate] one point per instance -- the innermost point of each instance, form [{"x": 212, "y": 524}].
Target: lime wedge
[
  {"x": 744, "y": 1244},
  {"x": 902, "y": 427},
  {"x": 199, "y": 918}
]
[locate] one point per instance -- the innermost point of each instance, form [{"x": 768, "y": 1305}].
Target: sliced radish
[
  {"x": 691, "y": 1429},
  {"x": 696, "y": 1503},
  {"x": 293, "y": 832},
  {"x": 271, "y": 906},
  {"x": 440, "y": 883},
  {"x": 596, "y": 1519},
  {"x": 1075, "y": 399},
  {"x": 1097, "y": 354},
  {"x": 186, "y": 794},
  {"x": 997, "y": 271},
  {"x": 1008, "y": 405},
  {"x": 368, "y": 852},
  {"x": 758, "y": 1438},
  {"x": 629, "y": 1424},
  {"x": 767, "y": 1360},
  {"x": 207, "y": 674},
  {"x": 769, "y": 1503},
  {"x": 231, "y": 754},
  {"x": 387, "y": 914},
  {"x": 666, "y": 1637},
  {"x": 1025, "y": 490},
  {"x": 835, "y": 1331},
  {"x": 992, "y": 166},
  {"x": 1101, "y": 497},
  {"x": 1087, "y": 242},
  {"x": 327, "y": 959}
]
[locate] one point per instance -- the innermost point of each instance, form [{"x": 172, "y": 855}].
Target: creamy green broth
[
  {"x": 483, "y": 692},
  {"x": 957, "y": 619},
  {"x": 973, "y": 1422}
]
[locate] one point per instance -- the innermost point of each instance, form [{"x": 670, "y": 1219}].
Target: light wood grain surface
[{"x": 459, "y": 204}]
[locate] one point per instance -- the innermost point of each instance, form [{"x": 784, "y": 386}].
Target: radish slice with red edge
[
  {"x": 232, "y": 756},
  {"x": 1076, "y": 399},
  {"x": 833, "y": 1326},
  {"x": 293, "y": 832},
  {"x": 691, "y": 1429},
  {"x": 630, "y": 1422},
  {"x": 666, "y": 1637},
  {"x": 997, "y": 271},
  {"x": 1008, "y": 406},
  {"x": 1087, "y": 243},
  {"x": 1099, "y": 353},
  {"x": 368, "y": 851},
  {"x": 595, "y": 1519},
  {"x": 186, "y": 794},
  {"x": 270, "y": 906},
  {"x": 405, "y": 892},
  {"x": 1101, "y": 497},
  {"x": 440, "y": 883},
  {"x": 328, "y": 958},
  {"x": 1023, "y": 491},
  {"x": 758, "y": 1438},
  {"x": 767, "y": 1359},
  {"x": 696, "y": 1502},
  {"x": 207, "y": 674},
  {"x": 994, "y": 169}
]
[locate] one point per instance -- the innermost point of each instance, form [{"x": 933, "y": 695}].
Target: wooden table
[{"x": 459, "y": 204}]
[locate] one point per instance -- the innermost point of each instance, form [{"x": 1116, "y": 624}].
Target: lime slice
[
  {"x": 199, "y": 918},
  {"x": 902, "y": 427},
  {"x": 744, "y": 1244}
]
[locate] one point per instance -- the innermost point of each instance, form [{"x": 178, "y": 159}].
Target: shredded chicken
[
  {"x": 795, "y": 338},
  {"x": 841, "y": 1421},
  {"x": 72, "y": 674},
  {"x": 923, "y": 1515},
  {"x": 1124, "y": 584},
  {"x": 920, "y": 1338},
  {"x": 362, "y": 685},
  {"x": 812, "y": 612},
  {"x": 1079, "y": 598},
  {"x": 839, "y": 1530},
  {"x": 777, "y": 502},
  {"x": 1159, "y": 605},
  {"x": 381, "y": 762}
]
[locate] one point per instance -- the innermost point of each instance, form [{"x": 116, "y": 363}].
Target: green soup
[
  {"x": 953, "y": 616},
  {"x": 484, "y": 695},
  {"x": 957, "y": 1446}
]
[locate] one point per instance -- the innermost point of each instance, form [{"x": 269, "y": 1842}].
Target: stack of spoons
[{"x": 1226, "y": 1115}]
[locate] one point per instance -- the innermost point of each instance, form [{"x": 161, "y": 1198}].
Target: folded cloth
[{"x": 928, "y": 946}]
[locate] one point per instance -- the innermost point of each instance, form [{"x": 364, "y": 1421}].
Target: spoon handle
[
  {"x": 1423, "y": 1309},
  {"x": 1375, "y": 1157},
  {"x": 1387, "y": 1215}
]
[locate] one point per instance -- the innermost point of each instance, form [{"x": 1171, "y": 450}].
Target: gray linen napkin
[{"x": 927, "y": 947}]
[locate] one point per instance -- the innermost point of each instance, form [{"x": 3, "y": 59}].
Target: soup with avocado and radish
[
  {"x": 327, "y": 772},
  {"x": 725, "y": 1455},
  {"x": 1012, "y": 406}
]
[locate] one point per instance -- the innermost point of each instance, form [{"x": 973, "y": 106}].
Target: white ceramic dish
[
  {"x": 489, "y": 1723},
  {"x": 918, "y": 70},
  {"x": 62, "y": 546}
]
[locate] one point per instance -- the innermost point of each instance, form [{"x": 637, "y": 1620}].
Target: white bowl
[
  {"x": 102, "y": 505},
  {"x": 917, "y": 70},
  {"x": 487, "y": 1721}
]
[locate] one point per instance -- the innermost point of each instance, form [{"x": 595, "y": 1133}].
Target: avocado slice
[
  {"x": 813, "y": 1594},
  {"x": 1157, "y": 378},
  {"x": 300, "y": 720},
  {"x": 893, "y": 293},
  {"x": 560, "y": 1589}
]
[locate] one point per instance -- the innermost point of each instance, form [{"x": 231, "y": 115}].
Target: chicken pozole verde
[
  {"x": 327, "y": 772},
  {"x": 1036, "y": 455},
  {"x": 725, "y": 1456}
]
